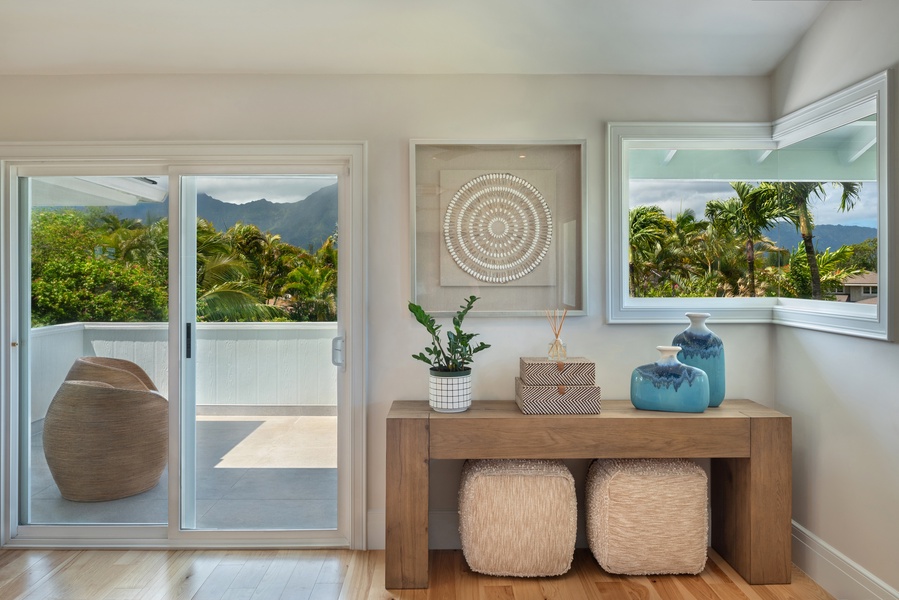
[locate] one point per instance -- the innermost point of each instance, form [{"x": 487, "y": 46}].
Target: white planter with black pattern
[{"x": 450, "y": 391}]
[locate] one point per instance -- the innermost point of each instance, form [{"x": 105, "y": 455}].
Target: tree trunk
[
  {"x": 805, "y": 229},
  {"x": 750, "y": 260},
  {"x": 812, "y": 267}
]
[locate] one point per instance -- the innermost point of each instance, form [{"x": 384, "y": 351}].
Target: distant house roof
[{"x": 869, "y": 278}]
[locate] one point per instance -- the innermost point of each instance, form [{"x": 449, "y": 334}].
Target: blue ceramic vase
[
  {"x": 702, "y": 349},
  {"x": 669, "y": 385}
]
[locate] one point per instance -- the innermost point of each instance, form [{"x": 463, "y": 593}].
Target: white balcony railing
[{"x": 238, "y": 364}]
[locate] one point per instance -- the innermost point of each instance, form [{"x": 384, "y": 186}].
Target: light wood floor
[{"x": 342, "y": 574}]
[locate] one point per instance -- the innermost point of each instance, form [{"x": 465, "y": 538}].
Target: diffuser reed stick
[{"x": 557, "y": 349}]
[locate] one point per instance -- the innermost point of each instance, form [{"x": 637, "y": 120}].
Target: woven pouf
[
  {"x": 648, "y": 516},
  {"x": 517, "y": 517}
]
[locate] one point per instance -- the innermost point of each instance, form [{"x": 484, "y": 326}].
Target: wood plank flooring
[{"x": 343, "y": 574}]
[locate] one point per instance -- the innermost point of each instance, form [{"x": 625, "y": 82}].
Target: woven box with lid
[
  {"x": 571, "y": 371},
  {"x": 549, "y": 387}
]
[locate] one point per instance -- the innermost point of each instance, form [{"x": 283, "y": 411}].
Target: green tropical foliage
[
  {"x": 729, "y": 254},
  {"x": 745, "y": 217},
  {"x": 75, "y": 279},
  {"x": 89, "y": 265},
  {"x": 798, "y": 196},
  {"x": 864, "y": 255},
  {"x": 95, "y": 290},
  {"x": 796, "y": 281},
  {"x": 312, "y": 284}
]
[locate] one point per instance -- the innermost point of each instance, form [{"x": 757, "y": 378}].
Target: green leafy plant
[{"x": 458, "y": 352}]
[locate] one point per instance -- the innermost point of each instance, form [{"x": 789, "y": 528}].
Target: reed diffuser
[{"x": 557, "y": 349}]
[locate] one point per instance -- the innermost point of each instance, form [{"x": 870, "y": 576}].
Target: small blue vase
[
  {"x": 702, "y": 349},
  {"x": 669, "y": 385}
]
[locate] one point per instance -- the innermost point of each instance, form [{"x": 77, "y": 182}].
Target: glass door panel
[
  {"x": 259, "y": 405},
  {"x": 93, "y": 286}
]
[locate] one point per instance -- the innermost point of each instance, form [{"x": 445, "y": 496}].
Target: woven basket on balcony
[
  {"x": 117, "y": 372},
  {"x": 105, "y": 441}
]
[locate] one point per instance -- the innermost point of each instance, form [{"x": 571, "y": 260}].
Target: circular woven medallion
[{"x": 498, "y": 227}]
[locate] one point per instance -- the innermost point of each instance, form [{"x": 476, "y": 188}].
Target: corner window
[{"x": 769, "y": 222}]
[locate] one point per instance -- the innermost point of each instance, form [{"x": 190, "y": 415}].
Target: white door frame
[{"x": 348, "y": 160}]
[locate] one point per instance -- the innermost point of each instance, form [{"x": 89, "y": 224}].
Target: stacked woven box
[{"x": 549, "y": 387}]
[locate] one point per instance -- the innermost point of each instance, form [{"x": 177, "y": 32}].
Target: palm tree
[
  {"x": 680, "y": 259},
  {"x": 799, "y": 195},
  {"x": 747, "y": 216},
  {"x": 313, "y": 284},
  {"x": 314, "y": 291},
  {"x": 267, "y": 257},
  {"x": 795, "y": 281},
  {"x": 225, "y": 290},
  {"x": 273, "y": 263},
  {"x": 225, "y": 294},
  {"x": 649, "y": 227},
  {"x": 688, "y": 231},
  {"x": 245, "y": 239}
]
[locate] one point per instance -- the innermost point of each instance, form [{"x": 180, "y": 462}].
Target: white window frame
[
  {"x": 862, "y": 320},
  {"x": 103, "y": 159}
]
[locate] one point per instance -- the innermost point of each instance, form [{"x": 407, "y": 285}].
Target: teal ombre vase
[
  {"x": 669, "y": 385},
  {"x": 702, "y": 349}
]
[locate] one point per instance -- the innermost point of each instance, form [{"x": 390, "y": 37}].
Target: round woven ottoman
[
  {"x": 517, "y": 517},
  {"x": 648, "y": 516}
]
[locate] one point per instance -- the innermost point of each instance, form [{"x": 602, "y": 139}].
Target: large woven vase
[
  {"x": 703, "y": 349},
  {"x": 450, "y": 391}
]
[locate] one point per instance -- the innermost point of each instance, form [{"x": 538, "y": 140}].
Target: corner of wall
[{"x": 835, "y": 572}]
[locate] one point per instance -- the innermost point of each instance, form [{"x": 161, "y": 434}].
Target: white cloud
[
  {"x": 864, "y": 213},
  {"x": 674, "y": 196},
  {"x": 239, "y": 189}
]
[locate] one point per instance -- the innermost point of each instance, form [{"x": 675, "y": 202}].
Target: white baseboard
[
  {"x": 835, "y": 572},
  {"x": 377, "y": 527}
]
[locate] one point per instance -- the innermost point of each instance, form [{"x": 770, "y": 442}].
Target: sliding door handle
[{"x": 337, "y": 358}]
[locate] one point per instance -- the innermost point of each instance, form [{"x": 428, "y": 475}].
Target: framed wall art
[{"x": 502, "y": 221}]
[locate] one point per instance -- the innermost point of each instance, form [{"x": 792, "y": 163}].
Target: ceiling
[{"x": 657, "y": 37}]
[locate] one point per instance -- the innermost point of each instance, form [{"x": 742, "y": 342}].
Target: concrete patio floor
[{"x": 253, "y": 472}]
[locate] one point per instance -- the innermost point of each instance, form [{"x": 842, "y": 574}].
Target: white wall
[
  {"x": 844, "y": 392},
  {"x": 850, "y": 42},
  {"x": 48, "y": 345},
  {"x": 387, "y": 112}
]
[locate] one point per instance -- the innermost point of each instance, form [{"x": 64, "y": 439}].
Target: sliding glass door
[
  {"x": 259, "y": 402},
  {"x": 180, "y": 368},
  {"x": 93, "y": 302}
]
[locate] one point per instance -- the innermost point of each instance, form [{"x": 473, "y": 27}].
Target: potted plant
[{"x": 450, "y": 382}]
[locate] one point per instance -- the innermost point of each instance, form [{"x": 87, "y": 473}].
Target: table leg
[
  {"x": 406, "y": 542},
  {"x": 752, "y": 504}
]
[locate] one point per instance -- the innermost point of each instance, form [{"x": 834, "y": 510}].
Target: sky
[
  {"x": 240, "y": 189},
  {"x": 673, "y": 196}
]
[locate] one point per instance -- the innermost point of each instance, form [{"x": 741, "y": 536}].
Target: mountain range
[
  {"x": 305, "y": 224},
  {"x": 825, "y": 236}
]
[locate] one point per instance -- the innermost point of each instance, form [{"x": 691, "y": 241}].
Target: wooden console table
[{"x": 751, "y": 470}]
